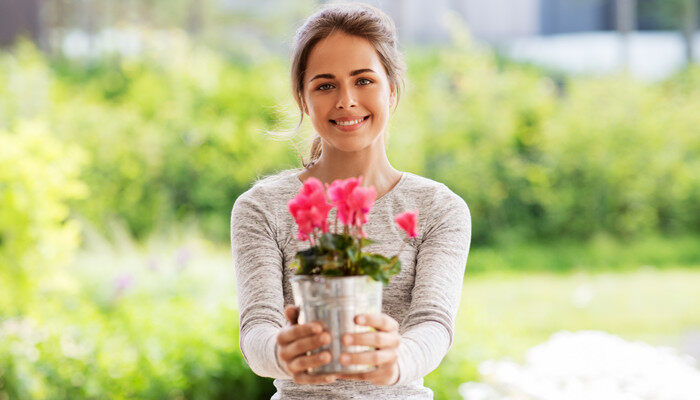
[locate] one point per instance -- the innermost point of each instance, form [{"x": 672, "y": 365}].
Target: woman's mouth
[{"x": 349, "y": 125}]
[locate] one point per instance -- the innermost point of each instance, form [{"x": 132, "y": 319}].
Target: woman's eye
[
  {"x": 367, "y": 81},
  {"x": 324, "y": 86}
]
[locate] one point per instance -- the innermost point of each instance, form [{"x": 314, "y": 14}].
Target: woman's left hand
[{"x": 386, "y": 340}]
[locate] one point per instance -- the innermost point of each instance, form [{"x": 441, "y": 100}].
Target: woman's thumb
[{"x": 292, "y": 314}]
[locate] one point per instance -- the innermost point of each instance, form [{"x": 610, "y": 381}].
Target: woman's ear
[{"x": 392, "y": 96}]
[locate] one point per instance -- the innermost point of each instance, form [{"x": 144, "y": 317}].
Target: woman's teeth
[{"x": 345, "y": 123}]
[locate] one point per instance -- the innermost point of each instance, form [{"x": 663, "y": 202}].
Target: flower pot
[{"x": 334, "y": 302}]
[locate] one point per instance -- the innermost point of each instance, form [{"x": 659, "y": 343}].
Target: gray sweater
[{"x": 423, "y": 297}]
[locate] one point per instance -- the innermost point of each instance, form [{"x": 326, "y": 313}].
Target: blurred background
[{"x": 570, "y": 127}]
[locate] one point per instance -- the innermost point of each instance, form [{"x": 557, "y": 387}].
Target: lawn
[{"x": 504, "y": 314}]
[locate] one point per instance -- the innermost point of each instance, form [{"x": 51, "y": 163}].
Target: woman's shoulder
[
  {"x": 421, "y": 186},
  {"x": 271, "y": 190},
  {"x": 437, "y": 198},
  {"x": 275, "y": 181}
]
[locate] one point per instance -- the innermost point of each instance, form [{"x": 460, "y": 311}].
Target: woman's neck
[{"x": 379, "y": 174}]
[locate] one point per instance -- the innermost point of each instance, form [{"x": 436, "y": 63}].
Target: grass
[
  {"x": 504, "y": 314},
  {"x": 600, "y": 253}
]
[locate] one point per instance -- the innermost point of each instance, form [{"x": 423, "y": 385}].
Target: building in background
[{"x": 649, "y": 38}]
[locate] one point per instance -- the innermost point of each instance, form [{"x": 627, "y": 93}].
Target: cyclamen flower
[
  {"x": 338, "y": 192},
  {"x": 310, "y": 208},
  {"x": 360, "y": 203},
  {"x": 407, "y": 221},
  {"x": 352, "y": 200}
]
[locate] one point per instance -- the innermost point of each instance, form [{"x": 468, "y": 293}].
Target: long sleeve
[
  {"x": 258, "y": 264},
  {"x": 428, "y": 329}
]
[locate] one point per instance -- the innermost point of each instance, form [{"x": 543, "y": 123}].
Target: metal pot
[{"x": 334, "y": 302}]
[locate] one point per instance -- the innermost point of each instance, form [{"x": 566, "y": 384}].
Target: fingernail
[
  {"x": 348, "y": 339},
  {"x": 316, "y": 329},
  {"x": 330, "y": 379},
  {"x": 360, "y": 320},
  {"x": 344, "y": 359}
]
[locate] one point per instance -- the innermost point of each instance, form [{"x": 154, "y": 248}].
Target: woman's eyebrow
[{"x": 331, "y": 76}]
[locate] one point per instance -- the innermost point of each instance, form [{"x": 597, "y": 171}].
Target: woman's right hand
[{"x": 293, "y": 343}]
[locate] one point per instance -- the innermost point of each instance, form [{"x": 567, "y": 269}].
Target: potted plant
[{"x": 335, "y": 280}]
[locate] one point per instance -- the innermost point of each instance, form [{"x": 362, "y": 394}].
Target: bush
[
  {"x": 122, "y": 323},
  {"x": 176, "y": 136},
  {"x": 610, "y": 154},
  {"x": 38, "y": 176}
]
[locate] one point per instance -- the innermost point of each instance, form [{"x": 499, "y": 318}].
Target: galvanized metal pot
[{"x": 334, "y": 302}]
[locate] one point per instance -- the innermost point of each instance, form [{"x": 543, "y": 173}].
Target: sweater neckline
[{"x": 404, "y": 174}]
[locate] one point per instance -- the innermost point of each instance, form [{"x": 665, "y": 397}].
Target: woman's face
[{"x": 346, "y": 93}]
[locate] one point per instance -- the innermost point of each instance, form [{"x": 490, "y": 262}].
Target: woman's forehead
[{"x": 341, "y": 54}]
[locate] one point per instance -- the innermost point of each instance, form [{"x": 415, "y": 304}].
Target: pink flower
[
  {"x": 352, "y": 200},
  {"x": 407, "y": 222},
  {"x": 360, "y": 203},
  {"x": 338, "y": 192},
  {"x": 310, "y": 208}
]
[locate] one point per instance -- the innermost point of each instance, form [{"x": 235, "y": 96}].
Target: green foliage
[
  {"x": 159, "y": 323},
  {"x": 338, "y": 254},
  {"x": 38, "y": 175},
  {"x": 168, "y": 137},
  {"x": 175, "y": 135},
  {"x": 600, "y": 253},
  {"x": 609, "y": 155}
]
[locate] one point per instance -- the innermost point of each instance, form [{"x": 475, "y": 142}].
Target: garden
[{"x": 118, "y": 174}]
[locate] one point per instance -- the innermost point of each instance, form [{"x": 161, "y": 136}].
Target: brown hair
[{"x": 356, "y": 19}]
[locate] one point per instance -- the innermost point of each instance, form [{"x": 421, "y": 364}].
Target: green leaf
[
  {"x": 342, "y": 242},
  {"x": 394, "y": 268},
  {"x": 367, "y": 241},
  {"x": 352, "y": 253},
  {"x": 327, "y": 241}
]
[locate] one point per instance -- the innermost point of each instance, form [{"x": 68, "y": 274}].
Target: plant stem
[{"x": 397, "y": 255}]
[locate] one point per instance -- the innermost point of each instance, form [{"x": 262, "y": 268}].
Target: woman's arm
[
  {"x": 258, "y": 263},
  {"x": 428, "y": 329}
]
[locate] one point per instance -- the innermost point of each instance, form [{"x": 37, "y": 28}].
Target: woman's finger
[
  {"x": 302, "y": 363},
  {"x": 294, "y": 332},
  {"x": 375, "y": 339},
  {"x": 305, "y": 378},
  {"x": 374, "y": 357},
  {"x": 382, "y": 322},
  {"x": 367, "y": 376},
  {"x": 301, "y": 346},
  {"x": 292, "y": 314}
]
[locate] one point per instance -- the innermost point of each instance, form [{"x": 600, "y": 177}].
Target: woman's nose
[{"x": 346, "y": 99}]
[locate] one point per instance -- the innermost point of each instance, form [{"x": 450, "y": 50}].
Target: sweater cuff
[
  {"x": 404, "y": 358},
  {"x": 421, "y": 350},
  {"x": 260, "y": 344},
  {"x": 281, "y": 372},
  {"x": 279, "y": 361}
]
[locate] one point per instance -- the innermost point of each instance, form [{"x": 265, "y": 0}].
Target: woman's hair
[{"x": 356, "y": 19}]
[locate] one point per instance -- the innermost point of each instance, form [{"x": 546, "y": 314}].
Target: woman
[{"x": 346, "y": 76}]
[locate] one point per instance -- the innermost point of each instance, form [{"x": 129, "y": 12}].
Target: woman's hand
[
  {"x": 293, "y": 343},
  {"x": 386, "y": 339}
]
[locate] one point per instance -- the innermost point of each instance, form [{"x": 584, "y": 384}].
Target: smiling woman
[
  {"x": 348, "y": 91},
  {"x": 347, "y": 74}
]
